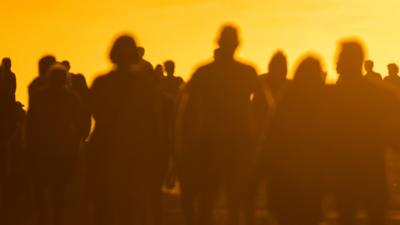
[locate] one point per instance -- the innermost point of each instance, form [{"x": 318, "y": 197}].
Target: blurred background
[{"x": 185, "y": 30}]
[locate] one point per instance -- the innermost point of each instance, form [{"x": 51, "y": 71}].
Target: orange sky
[{"x": 185, "y": 30}]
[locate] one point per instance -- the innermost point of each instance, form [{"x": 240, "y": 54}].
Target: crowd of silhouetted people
[{"x": 226, "y": 132}]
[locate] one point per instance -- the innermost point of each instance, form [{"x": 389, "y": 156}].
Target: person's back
[
  {"x": 171, "y": 86},
  {"x": 113, "y": 94},
  {"x": 361, "y": 109},
  {"x": 127, "y": 139},
  {"x": 54, "y": 127},
  {"x": 393, "y": 79},
  {"x": 54, "y": 119},
  {"x": 223, "y": 91},
  {"x": 275, "y": 79},
  {"x": 362, "y": 124},
  {"x": 219, "y": 131},
  {"x": 373, "y": 76},
  {"x": 128, "y": 135},
  {"x": 294, "y": 153}
]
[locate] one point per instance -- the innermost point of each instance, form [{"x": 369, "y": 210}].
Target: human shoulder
[
  {"x": 79, "y": 77},
  {"x": 102, "y": 80},
  {"x": 247, "y": 66},
  {"x": 247, "y": 72},
  {"x": 35, "y": 82},
  {"x": 203, "y": 70}
]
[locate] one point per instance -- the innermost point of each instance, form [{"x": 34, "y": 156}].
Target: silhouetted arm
[
  {"x": 263, "y": 105},
  {"x": 84, "y": 95},
  {"x": 13, "y": 83}
]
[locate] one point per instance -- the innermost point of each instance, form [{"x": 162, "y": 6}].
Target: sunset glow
[{"x": 185, "y": 30}]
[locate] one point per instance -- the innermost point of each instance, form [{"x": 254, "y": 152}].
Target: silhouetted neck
[
  {"x": 226, "y": 59},
  {"x": 125, "y": 68}
]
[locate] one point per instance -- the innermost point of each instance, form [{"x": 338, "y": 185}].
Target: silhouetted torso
[
  {"x": 222, "y": 92},
  {"x": 128, "y": 116},
  {"x": 219, "y": 134},
  {"x": 170, "y": 85},
  {"x": 362, "y": 124},
  {"x": 109, "y": 95},
  {"x": 393, "y": 80},
  {"x": 37, "y": 84},
  {"x": 276, "y": 86},
  {"x": 54, "y": 122},
  {"x": 8, "y": 85},
  {"x": 295, "y": 133},
  {"x": 372, "y": 75},
  {"x": 295, "y": 150},
  {"x": 145, "y": 65}
]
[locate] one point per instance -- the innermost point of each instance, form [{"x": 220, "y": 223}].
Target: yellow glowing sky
[{"x": 185, "y": 30}]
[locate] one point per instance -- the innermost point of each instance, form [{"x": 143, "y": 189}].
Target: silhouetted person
[
  {"x": 54, "y": 128},
  {"x": 10, "y": 127},
  {"x": 40, "y": 82},
  {"x": 164, "y": 174},
  {"x": 216, "y": 136},
  {"x": 127, "y": 141},
  {"x": 371, "y": 74},
  {"x": 393, "y": 77},
  {"x": 171, "y": 84},
  {"x": 78, "y": 84},
  {"x": 145, "y": 65},
  {"x": 363, "y": 122},
  {"x": 7, "y": 110},
  {"x": 8, "y": 81},
  {"x": 275, "y": 80},
  {"x": 294, "y": 153},
  {"x": 159, "y": 73}
]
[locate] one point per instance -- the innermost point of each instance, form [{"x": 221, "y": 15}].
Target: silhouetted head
[
  {"x": 217, "y": 54},
  {"x": 169, "y": 67},
  {"x": 228, "y": 40},
  {"x": 309, "y": 73},
  {"x": 124, "y": 51},
  {"x": 350, "y": 59},
  {"x": 159, "y": 70},
  {"x": 57, "y": 75},
  {"x": 393, "y": 69},
  {"x": 141, "y": 52},
  {"x": 66, "y": 64},
  {"x": 45, "y": 63},
  {"x": 278, "y": 66},
  {"x": 369, "y": 65},
  {"x": 6, "y": 64}
]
